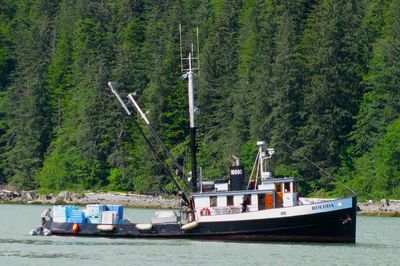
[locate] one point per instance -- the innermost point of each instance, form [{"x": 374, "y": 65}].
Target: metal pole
[
  {"x": 252, "y": 170},
  {"x": 158, "y": 156},
  {"x": 192, "y": 125},
  {"x": 154, "y": 133},
  {"x": 198, "y": 51},
  {"x": 180, "y": 44},
  {"x": 119, "y": 98},
  {"x": 201, "y": 179}
]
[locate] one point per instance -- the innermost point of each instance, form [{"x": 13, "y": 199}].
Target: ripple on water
[
  {"x": 377, "y": 244},
  {"x": 82, "y": 241},
  {"x": 39, "y": 255}
]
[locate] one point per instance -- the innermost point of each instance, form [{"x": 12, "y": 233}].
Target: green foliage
[
  {"x": 315, "y": 79},
  {"x": 66, "y": 168},
  {"x": 381, "y": 102},
  {"x": 373, "y": 165},
  {"x": 27, "y": 112},
  {"x": 377, "y": 173},
  {"x": 217, "y": 90},
  {"x": 331, "y": 75},
  {"x": 73, "y": 162},
  {"x": 6, "y": 67}
]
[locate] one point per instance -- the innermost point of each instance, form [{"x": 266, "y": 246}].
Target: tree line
[{"x": 318, "y": 80}]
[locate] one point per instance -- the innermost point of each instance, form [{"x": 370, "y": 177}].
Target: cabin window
[
  {"x": 278, "y": 187},
  {"x": 287, "y": 187},
  {"x": 213, "y": 201},
  {"x": 229, "y": 200},
  {"x": 261, "y": 202}
]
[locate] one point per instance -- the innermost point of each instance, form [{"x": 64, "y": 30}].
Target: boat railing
[
  {"x": 308, "y": 201},
  {"x": 221, "y": 210}
]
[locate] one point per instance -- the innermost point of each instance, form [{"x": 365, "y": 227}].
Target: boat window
[
  {"x": 213, "y": 201},
  {"x": 229, "y": 200},
  {"x": 287, "y": 187},
  {"x": 278, "y": 187},
  {"x": 261, "y": 202}
]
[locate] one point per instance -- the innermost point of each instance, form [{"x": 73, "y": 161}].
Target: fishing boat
[
  {"x": 265, "y": 208},
  {"x": 268, "y": 210},
  {"x": 222, "y": 210}
]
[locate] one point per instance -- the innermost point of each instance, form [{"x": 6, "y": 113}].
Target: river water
[{"x": 378, "y": 243}]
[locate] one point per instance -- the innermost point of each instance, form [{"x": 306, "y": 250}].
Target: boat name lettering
[
  {"x": 324, "y": 206},
  {"x": 236, "y": 171}
]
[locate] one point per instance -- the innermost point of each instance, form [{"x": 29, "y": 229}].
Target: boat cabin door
[
  {"x": 278, "y": 195},
  {"x": 269, "y": 201},
  {"x": 265, "y": 201}
]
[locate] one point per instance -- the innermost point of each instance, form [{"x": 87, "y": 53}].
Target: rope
[{"x": 323, "y": 171}]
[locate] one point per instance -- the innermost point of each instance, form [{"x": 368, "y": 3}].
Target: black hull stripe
[{"x": 336, "y": 226}]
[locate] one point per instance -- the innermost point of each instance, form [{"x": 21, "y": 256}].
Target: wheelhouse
[
  {"x": 227, "y": 196},
  {"x": 271, "y": 193}
]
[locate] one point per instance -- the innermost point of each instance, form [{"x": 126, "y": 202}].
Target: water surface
[{"x": 378, "y": 243}]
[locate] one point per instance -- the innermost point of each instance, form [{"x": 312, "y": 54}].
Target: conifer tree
[
  {"x": 381, "y": 102},
  {"x": 320, "y": 76},
  {"x": 286, "y": 96},
  {"x": 27, "y": 110},
  {"x": 7, "y": 11},
  {"x": 374, "y": 165},
  {"x": 59, "y": 78},
  {"x": 77, "y": 155},
  {"x": 126, "y": 34},
  {"x": 332, "y": 79},
  {"x": 218, "y": 84}
]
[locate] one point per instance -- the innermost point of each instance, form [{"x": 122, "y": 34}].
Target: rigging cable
[
  {"x": 160, "y": 159},
  {"x": 323, "y": 171}
]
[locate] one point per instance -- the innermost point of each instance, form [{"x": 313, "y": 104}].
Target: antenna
[
  {"x": 180, "y": 45},
  {"x": 192, "y": 59},
  {"x": 198, "y": 50}
]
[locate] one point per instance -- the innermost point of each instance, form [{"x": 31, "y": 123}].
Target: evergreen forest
[{"x": 317, "y": 80}]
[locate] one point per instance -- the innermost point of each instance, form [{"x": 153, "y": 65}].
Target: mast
[
  {"x": 192, "y": 124},
  {"x": 189, "y": 74}
]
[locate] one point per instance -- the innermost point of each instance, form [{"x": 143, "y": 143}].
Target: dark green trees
[
  {"x": 331, "y": 82},
  {"x": 217, "y": 88},
  {"x": 375, "y": 151},
  {"x": 84, "y": 139},
  {"x": 315, "y": 79},
  {"x": 27, "y": 109}
]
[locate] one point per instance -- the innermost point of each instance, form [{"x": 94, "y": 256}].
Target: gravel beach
[
  {"x": 70, "y": 198},
  {"x": 382, "y": 207}
]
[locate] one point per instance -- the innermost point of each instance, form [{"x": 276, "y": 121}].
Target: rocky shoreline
[
  {"x": 70, "y": 198},
  {"x": 370, "y": 208},
  {"x": 381, "y": 207}
]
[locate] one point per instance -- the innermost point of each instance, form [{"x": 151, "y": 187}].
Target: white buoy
[
  {"x": 144, "y": 227},
  {"x": 189, "y": 226}
]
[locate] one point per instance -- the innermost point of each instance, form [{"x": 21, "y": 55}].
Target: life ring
[{"x": 205, "y": 212}]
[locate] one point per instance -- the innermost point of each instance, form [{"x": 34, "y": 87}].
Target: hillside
[{"x": 318, "y": 80}]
